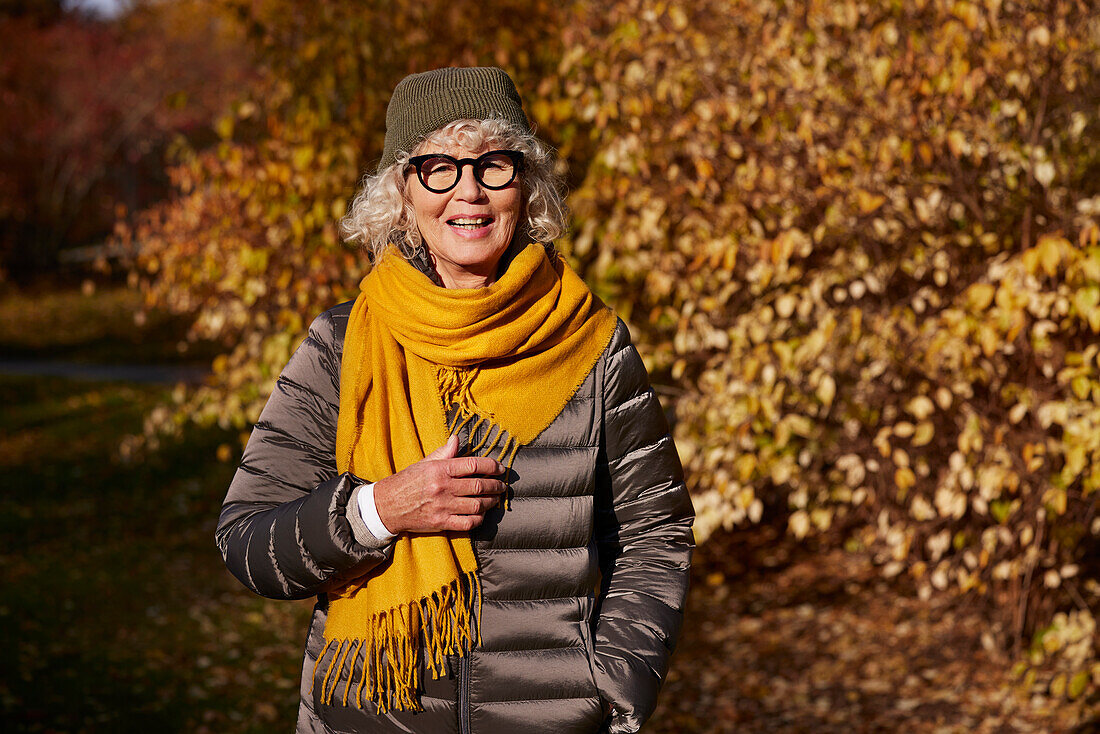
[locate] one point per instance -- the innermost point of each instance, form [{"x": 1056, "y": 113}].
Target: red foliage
[{"x": 86, "y": 112}]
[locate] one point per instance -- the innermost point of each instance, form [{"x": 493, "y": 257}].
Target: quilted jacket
[{"x": 583, "y": 577}]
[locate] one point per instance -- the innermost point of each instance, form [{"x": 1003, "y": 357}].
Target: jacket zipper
[
  {"x": 464, "y": 694},
  {"x": 464, "y": 439}
]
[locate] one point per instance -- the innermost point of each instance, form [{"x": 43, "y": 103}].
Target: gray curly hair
[{"x": 381, "y": 216}]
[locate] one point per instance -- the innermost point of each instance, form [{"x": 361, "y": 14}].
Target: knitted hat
[{"x": 422, "y": 103}]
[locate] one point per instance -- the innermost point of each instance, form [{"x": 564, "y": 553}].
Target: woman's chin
[
  {"x": 468, "y": 258},
  {"x": 472, "y": 273}
]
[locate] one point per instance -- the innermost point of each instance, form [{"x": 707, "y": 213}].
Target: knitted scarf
[{"x": 510, "y": 355}]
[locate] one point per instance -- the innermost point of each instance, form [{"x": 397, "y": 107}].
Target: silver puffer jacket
[{"x": 583, "y": 578}]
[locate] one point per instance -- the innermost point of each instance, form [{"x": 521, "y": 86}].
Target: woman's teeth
[{"x": 468, "y": 223}]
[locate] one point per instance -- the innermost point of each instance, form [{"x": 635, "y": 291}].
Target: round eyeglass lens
[
  {"x": 495, "y": 169},
  {"x": 439, "y": 173}
]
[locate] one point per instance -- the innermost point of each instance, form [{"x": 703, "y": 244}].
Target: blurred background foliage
[
  {"x": 856, "y": 242},
  {"x": 89, "y": 110}
]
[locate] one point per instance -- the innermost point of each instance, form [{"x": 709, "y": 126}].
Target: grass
[
  {"x": 116, "y": 613},
  {"x": 104, "y": 324}
]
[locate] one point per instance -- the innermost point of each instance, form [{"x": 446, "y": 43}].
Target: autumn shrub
[
  {"x": 856, "y": 242},
  {"x": 862, "y": 241}
]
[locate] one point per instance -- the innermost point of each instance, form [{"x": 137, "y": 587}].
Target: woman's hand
[{"x": 442, "y": 491}]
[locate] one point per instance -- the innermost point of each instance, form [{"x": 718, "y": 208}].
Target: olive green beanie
[{"x": 422, "y": 103}]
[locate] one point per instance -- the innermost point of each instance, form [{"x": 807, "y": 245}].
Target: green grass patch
[
  {"x": 117, "y": 613},
  {"x": 107, "y": 324}
]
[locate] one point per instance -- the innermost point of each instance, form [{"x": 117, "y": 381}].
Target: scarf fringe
[
  {"x": 387, "y": 661},
  {"x": 454, "y": 389}
]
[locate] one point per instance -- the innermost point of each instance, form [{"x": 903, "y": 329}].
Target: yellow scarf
[{"x": 511, "y": 354}]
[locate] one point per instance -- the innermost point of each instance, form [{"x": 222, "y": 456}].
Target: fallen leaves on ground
[{"x": 778, "y": 638}]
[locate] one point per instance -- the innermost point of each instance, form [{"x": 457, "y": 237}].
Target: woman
[{"x": 467, "y": 465}]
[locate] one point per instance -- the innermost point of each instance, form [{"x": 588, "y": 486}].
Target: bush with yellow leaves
[{"x": 862, "y": 243}]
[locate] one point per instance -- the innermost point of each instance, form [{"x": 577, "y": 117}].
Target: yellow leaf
[
  {"x": 979, "y": 296},
  {"x": 224, "y": 127},
  {"x": 882, "y": 441},
  {"x": 904, "y": 478},
  {"x": 968, "y": 13},
  {"x": 925, "y": 151},
  {"x": 805, "y": 131},
  {"x": 1086, "y": 300},
  {"x": 339, "y": 208},
  {"x": 302, "y": 157},
  {"x": 1058, "y": 686},
  {"x": 956, "y": 143},
  {"x": 822, "y": 518},
  {"x": 903, "y": 429},
  {"x": 1089, "y": 236},
  {"x": 785, "y": 305},
  {"x": 678, "y": 17},
  {"x": 1049, "y": 255},
  {"x": 799, "y": 524},
  {"x": 826, "y": 391},
  {"x": 1030, "y": 259},
  {"x": 1078, "y": 683},
  {"x": 920, "y": 407},
  {"x": 925, "y": 432},
  {"x": 1044, "y": 173},
  {"x": 1056, "y": 500},
  {"x": 988, "y": 340},
  {"x": 745, "y": 464},
  {"x": 880, "y": 71},
  {"x": 782, "y": 435},
  {"x": 868, "y": 202}
]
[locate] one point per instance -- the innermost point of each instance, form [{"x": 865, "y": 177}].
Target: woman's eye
[
  {"x": 496, "y": 162},
  {"x": 437, "y": 165}
]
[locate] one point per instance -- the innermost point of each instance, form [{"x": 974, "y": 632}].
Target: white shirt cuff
[{"x": 369, "y": 512}]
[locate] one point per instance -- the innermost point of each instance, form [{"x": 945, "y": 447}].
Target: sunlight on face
[{"x": 468, "y": 228}]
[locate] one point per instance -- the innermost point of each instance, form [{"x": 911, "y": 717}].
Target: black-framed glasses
[{"x": 439, "y": 173}]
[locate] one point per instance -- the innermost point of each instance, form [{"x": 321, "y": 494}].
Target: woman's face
[{"x": 468, "y": 228}]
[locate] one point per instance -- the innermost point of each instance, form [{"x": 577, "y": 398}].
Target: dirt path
[
  {"x": 143, "y": 373},
  {"x": 821, "y": 644}
]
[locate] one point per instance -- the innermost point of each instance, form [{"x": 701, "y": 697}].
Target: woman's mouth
[
  {"x": 470, "y": 223},
  {"x": 471, "y": 227}
]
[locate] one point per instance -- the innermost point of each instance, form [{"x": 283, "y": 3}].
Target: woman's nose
[{"x": 468, "y": 189}]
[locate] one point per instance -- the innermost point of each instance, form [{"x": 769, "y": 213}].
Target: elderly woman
[{"x": 467, "y": 465}]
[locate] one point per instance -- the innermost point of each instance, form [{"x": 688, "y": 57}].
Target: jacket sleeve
[
  {"x": 284, "y": 530},
  {"x": 644, "y": 537}
]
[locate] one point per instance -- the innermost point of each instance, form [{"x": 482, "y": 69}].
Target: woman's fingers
[
  {"x": 462, "y": 523},
  {"x": 477, "y": 487},
  {"x": 473, "y": 505},
  {"x": 467, "y": 466}
]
